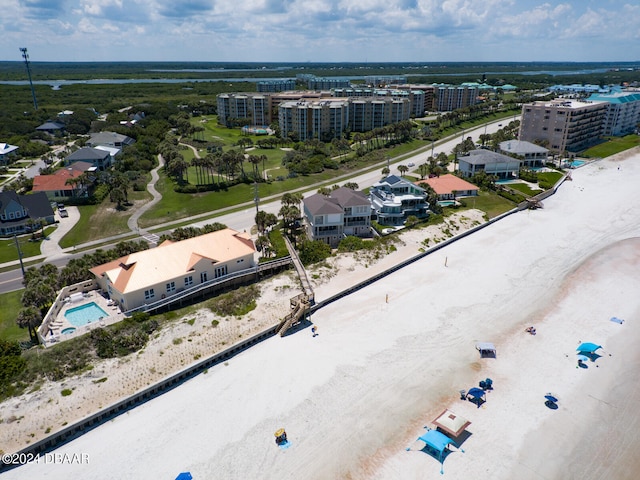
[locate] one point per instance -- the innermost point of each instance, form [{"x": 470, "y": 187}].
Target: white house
[
  {"x": 148, "y": 276},
  {"x": 393, "y": 199},
  {"x": 492, "y": 163}
]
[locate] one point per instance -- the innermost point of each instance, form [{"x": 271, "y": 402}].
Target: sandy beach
[{"x": 391, "y": 357}]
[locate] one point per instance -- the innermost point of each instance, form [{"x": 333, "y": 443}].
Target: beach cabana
[
  {"x": 588, "y": 347},
  {"x": 451, "y": 423},
  {"x": 486, "y": 349}
]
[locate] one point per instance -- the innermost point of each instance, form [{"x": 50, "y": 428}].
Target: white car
[{"x": 411, "y": 164}]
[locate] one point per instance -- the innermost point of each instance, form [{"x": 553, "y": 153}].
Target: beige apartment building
[{"x": 564, "y": 125}]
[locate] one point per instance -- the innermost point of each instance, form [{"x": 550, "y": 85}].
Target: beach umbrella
[
  {"x": 551, "y": 397},
  {"x": 583, "y": 358},
  {"x": 184, "y": 476},
  {"x": 588, "y": 347}
]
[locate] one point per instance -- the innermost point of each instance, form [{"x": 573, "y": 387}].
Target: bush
[
  {"x": 352, "y": 244},
  {"x": 11, "y": 363},
  {"x": 236, "y": 303},
  {"x": 314, "y": 251},
  {"x": 66, "y": 392}
]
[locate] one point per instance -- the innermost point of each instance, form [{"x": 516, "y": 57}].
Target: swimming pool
[
  {"x": 447, "y": 203},
  {"x": 85, "y": 314},
  {"x": 576, "y": 163},
  {"x": 68, "y": 331}
]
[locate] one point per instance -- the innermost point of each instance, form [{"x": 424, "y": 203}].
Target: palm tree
[
  {"x": 386, "y": 171},
  {"x": 423, "y": 170},
  {"x": 30, "y": 318},
  {"x": 403, "y": 169},
  {"x": 261, "y": 219}
]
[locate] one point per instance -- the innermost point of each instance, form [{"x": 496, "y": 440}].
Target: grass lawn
[
  {"x": 525, "y": 188},
  {"x": 100, "y": 221},
  {"x": 214, "y": 131},
  {"x": 9, "y": 252},
  {"x": 490, "y": 203},
  {"x": 549, "y": 177},
  {"x": 612, "y": 146},
  {"x": 10, "y": 306}
]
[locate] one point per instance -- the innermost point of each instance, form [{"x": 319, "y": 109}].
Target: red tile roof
[{"x": 446, "y": 184}]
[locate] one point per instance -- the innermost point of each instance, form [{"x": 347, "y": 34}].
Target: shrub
[
  {"x": 314, "y": 251},
  {"x": 66, "y": 392},
  {"x": 235, "y": 303}
]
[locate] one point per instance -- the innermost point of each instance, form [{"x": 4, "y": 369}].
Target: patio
[{"x": 60, "y": 328}]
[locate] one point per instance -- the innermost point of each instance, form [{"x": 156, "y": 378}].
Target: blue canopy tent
[
  {"x": 184, "y": 476},
  {"x": 588, "y": 347},
  {"x": 476, "y": 395},
  {"x": 438, "y": 442}
]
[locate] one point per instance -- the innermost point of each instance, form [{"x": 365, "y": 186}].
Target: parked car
[{"x": 63, "y": 212}]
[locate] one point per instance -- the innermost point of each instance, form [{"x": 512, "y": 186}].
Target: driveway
[{"x": 50, "y": 247}]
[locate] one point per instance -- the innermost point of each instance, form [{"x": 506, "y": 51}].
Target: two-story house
[
  {"x": 23, "y": 213},
  {"x": 492, "y": 163},
  {"x": 532, "y": 155},
  {"x": 393, "y": 199},
  {"x": 331, "y": 218},
  {"x": 97, "y": 157}
]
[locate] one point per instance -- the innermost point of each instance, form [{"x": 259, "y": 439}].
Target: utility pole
[
  {"x": 15, "y": 238},
  {"x": 25, "y": 55}
]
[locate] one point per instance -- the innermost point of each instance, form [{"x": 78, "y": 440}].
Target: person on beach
[{"x": 314, "y": 331}]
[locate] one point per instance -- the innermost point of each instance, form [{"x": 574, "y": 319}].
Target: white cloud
[{"x": 326, "y": 30}]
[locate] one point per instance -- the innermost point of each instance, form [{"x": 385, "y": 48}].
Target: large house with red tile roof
[
  {"x": 450, "y": 187},
  {"x": 146, "y": 277},
  {"x": 55, "y": 186}
]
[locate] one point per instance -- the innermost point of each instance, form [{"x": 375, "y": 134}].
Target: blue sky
[{"x": 320, "y": 30}]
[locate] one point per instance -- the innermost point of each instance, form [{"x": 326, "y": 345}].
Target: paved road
[{"x": 241, "y": 220}]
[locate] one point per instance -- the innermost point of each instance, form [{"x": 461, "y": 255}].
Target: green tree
[
  {"x": 30, "y": 318},
  {"x": 314, "y": 251}
]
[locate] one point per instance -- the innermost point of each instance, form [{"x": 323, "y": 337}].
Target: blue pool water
[
  {"x": 577, "y": 163},
  {"x": 447, "y": 203},
  {"x": 85, "y": 314},
  {"x": 68, "y": 331}
]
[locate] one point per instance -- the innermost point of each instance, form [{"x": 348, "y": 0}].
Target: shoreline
[{"x": 353, "y": 398}]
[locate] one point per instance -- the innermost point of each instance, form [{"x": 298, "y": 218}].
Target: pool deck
[{"x": 60, "y": 323}]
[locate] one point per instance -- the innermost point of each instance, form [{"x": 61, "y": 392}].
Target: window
[
  {"x": 149, "y": 294},
  {"x": 240, "y": 261},
  {"x": 221, "y": 271},
  {"x": 203, "y": 277},
  {"x": 171, "y": 287},
  {"x": 188, "y": 281}
]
